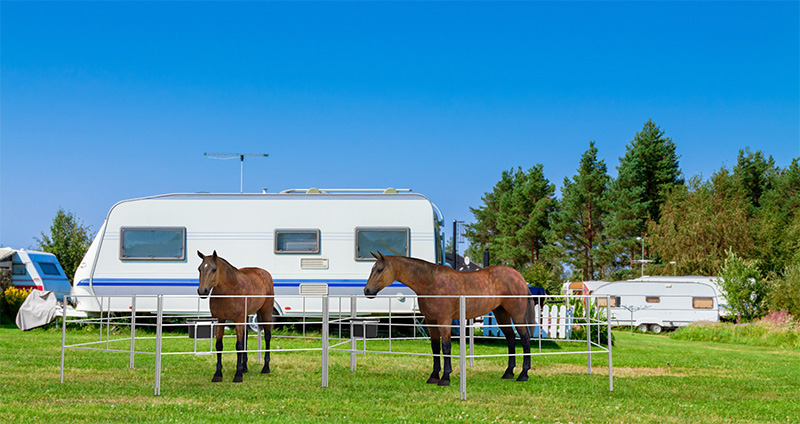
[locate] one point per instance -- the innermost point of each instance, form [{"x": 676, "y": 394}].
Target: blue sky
[{"x": 104, "y": 101}]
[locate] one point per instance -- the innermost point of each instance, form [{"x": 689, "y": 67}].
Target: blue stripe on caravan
[{"x": 115, "y": 282}]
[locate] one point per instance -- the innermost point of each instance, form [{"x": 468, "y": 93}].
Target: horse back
[
  {"x": 259, "y": 280},
  {"x": 507, "y": 281}
]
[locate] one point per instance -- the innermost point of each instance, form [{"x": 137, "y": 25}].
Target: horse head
[
  {"x": 208, "y": 274},
  {"x": 381, "y": 276}
]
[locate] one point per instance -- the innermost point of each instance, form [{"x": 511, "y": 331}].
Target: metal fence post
[
  {"x": 108, "y": 326},
  {"x": 462, "y": 347},
  {"x": 63, "y": 335},
  {"x": 133, "y": 330},
  {"x": 588, "y": 335},
  {"x": 472, "y": 342},
  {"x": 258, "y": 342},
  {"x": 608, "y": 324},
  {"x": 159, "y": 322},
  {"x": 353, "y": 343},
  {"x": 325, "y": 311}
]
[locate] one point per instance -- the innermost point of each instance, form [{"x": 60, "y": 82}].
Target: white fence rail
[{"x": 555, "y": 321}]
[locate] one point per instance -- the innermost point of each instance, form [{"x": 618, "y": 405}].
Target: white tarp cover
[
  {"x": 5, "y": 253},
  {"x": 38, "y": 309}
]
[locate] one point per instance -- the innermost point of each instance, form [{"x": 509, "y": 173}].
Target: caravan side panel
[{"x": 243, "y": 229}]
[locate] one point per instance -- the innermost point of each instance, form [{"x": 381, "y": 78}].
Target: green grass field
[{"x": 657, "y": 380}]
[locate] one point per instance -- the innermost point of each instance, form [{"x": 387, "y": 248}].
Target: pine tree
[
  {"x": 755, "y": 174},
  {"x": 514, "y": 218},
  {"x": 777, "y": 220},
  {"x": 578, "y": 226},
  {"x": 647, "y": 171}
]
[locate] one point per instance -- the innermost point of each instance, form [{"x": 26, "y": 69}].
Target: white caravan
[
  {"x": 712, "y": 281},
  {"x": 662, "y": 302},
  {"x": 312, "y": 241},
  {"x": 35, "y": 270}
]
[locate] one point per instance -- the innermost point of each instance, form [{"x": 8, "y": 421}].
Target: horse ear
[
  {"x": 383, "y": 258},
  {"x": 215, "y": 255},
  {"x": 200, "y": 255},
  {"x": 375, "y": 256}
]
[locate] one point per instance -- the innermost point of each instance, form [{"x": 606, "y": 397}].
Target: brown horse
[
  {"x": 496, "y": 284},
  {"x": 226, "y": 280}
]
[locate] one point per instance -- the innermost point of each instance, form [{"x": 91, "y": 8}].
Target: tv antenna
[{"x": 241, "y": 156}]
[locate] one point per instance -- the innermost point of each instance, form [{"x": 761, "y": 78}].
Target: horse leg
[
  {"x": 220, "y": 330},
  {"x": 244, "y": 360},
  {"x": 444, "y": 333},
  {"x": 504, "y": 320},
  {"x": 265, "y": 317},
  {"x": 525, "y": 337},
  {"x": 239, "y": 355},
  {"x": 437, "y": 365},
  {"x": 267, "y": 338}
]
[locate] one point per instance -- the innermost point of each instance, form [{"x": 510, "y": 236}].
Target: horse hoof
[
  {"x": 237, "y": 378},
  {"x": 444, "y": 382},
  {"x": 522, "y": 377},
  {"x": 433, "y": 380},
  {"x": 265, "y": 370},
  {"x": 508, "y": 375},
  {"x": 217, "y": 378},
  {"x": 244, "y": 370}
]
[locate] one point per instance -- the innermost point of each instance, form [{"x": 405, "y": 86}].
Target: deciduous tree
[{"x": 69, "y": 239}]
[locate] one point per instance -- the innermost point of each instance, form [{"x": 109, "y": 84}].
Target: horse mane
[
  {"x": 229, "y": 270},
  {"x": 225, "y": 261},
  {"x": 418, "y": 266}
]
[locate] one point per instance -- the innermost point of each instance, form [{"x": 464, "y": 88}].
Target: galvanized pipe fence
[{"x": 339, "y": 313}]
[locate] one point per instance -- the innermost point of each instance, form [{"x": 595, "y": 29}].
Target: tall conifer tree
[
  {"x": 514, "y": 218},
  {"x": 646, "y": 172},
  {"x": 579, "y": 224}
]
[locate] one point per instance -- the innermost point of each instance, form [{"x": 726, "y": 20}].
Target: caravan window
[
  {"x": 389, "y": 241},
  {"x": 703, "y": 302},
  {"x": 153, "y": 243},
  {"x": 18, "y": 269},
  {"x": 296, "y": 241},
  {"x": 603, "y": 302},
  {"x": 48, "y": 268}
]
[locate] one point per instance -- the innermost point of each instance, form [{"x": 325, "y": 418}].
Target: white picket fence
[{"x": 555, "y": 322}]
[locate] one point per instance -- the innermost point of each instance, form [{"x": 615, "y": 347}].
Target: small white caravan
[
  {"x": 699, "y": 279},
  {"x": 312, "y": 241},
  {"x": 656, "y": 302},
  {"x": 35, "y": 270}
]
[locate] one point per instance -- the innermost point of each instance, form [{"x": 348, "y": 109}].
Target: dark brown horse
[
  {"x": 220, "y": 278},
  {"x": 496, "y": 284}
]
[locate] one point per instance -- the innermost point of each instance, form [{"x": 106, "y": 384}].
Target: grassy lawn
[{"x": 657, "y": 380}]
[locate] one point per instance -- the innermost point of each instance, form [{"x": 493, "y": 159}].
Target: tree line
[{"x": 601, "y": 228}]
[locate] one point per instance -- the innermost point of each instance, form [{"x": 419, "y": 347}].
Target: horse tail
[{"x": 530, "y": 315}]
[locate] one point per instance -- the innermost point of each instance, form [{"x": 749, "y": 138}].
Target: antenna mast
[{"x": 241, "y": 160}]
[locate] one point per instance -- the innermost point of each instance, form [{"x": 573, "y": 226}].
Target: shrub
[
  {"x": 784, "y": 291},
  {"x": 778, "y": 329},
  {"x": 10, "y": 302},
  {"x": 744, "y": 288}
]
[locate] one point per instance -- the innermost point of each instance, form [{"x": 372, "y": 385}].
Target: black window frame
[
  {"x": 123, "y": 257},
  {"x": 406, "y": 230},
  {"x": 315, "y": 231}
]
